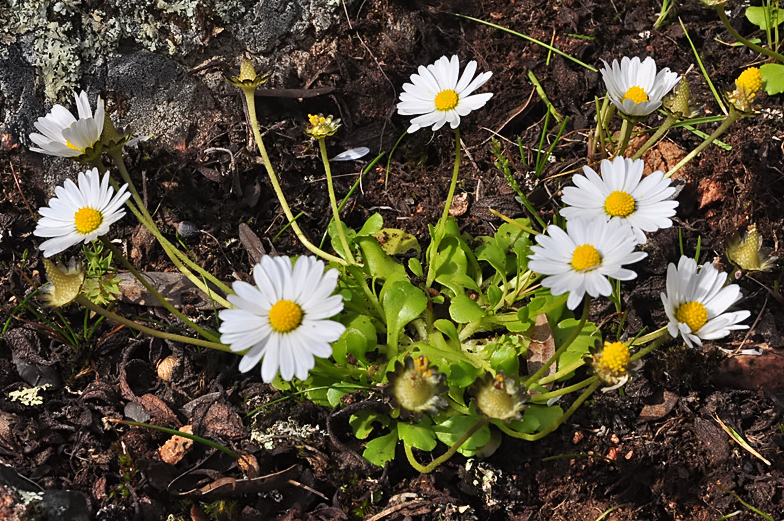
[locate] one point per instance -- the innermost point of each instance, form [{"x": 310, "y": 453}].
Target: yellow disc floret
[
  {"x": 636, "y": 94},
  {"x": 87, "y": 220},
  {"x": 446, "y": 100},
  {"x": 619, "y": 204},
  {"x": 585, "y": 257},
  {"x": 615, "y": 357},
  {"x": 693, "y": 314},
  {"x": 749, "y": 80},
  {"x": 285, "y": 316}
]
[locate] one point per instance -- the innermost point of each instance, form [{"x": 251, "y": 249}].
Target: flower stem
[
  {"x": 744, "y": 41},
  {"x": 250, "y": 101},
  {"x": 149, "y": 287},
  {"x": 333, "y": 201},
  {"x": 728, "y": 121},
  {"x": 670, "y": 121},
  {"x": 654, "y": 345},
  {"x": 536, "y": 376},
  {"x": 425, "y": 469},
  {"x": 557, "y": 423},
  {"x": 626, "y": 133},
  {"x": 544, "y": 397},
  {"x": 84, "y": 301}
]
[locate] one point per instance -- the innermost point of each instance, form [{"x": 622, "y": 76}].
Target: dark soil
[{"x": 653, "y": 452}]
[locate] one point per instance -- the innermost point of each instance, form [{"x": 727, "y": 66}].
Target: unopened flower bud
[
  {"x": 612, "y": 364},
  {"x": 65, "y": 283},
  {"x": 111, "y": 137},
  {"x": 745, "y": 90},
  {"x": 677, "y": 101},
  {"x": 321, "y": 127},
  {"x": 713, "y": 3},
  {"x": 248, "y": 79},
  {"x": 746, "y": 251},
  {"x": 415, "y": 387},
  {"x": 498, "y": 398}
]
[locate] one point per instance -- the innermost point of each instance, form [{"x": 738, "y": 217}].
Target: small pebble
[{"x": 188, "y": 229}]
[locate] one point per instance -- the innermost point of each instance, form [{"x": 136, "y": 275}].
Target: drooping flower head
[
  {"x": 248, "y": 80},
  {"x": 634, "y": 87},
  {"x": 696, "y": 301},
  {"x": 416, "y": 387},
  {"x": 65, "y": 136},
  {"x": 580, "y": 259},
  {"x": 498, "y": 397},
  {"x": 622, "y": 194},
  {"x": 283, "y": 321},
  {"x": 746, "y": 253},
  {"x": 439, "y": 96},
  {"x": 321, "y": 127},
  {"x": 65, "y": 283},
  {"x": 80, "y": 213}
]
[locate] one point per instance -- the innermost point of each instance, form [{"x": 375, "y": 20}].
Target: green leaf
[
  {"x": 402, "y": 303},
  {"x": 377, "y": 263},
  {"x": 772, "y": 78},
  {"x": 362, "y": 422},
  {"x": 493, "y": 255},
  {"x": 453, "y": 429},
  {"x": 760, "y": 16},
  {"x": 334, "y": 395},
  {"x": 359, "y": 338},
  {"x": 418, "y": 435},
  {"x": 372, "y": 225},
  {"x": 416, "y": 267},
  {"x": 465, "y": 281},
  {"x": 448, "y": 328},
  {"x": 508, "y": 234},
  {"x": 494, "y": 295},
  {"x": 381, "y": 449},
  {"x": 464, "y": 310},
  {"x": 397, "y": 242},
  {"x": 581, "y": 345},
  {"x": 450, "y": 261},
  {"x": 536, "y": 418},
  {"x": 522, "y": 248},
  {"x": 506, "y": 358},
  {"x": 462, "y": 374}
]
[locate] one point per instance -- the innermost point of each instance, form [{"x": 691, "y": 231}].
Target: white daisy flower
[
  {"x": 580, "y": 259},
  {"x": 622, "y": 194},
  {"x": 439, "y": 97},
  {"x": 65, "y": 136},
  {"x": 635, "y": 88},
  {"x": 80, "y": 213},
  {"x": 284, "y": 318},
  {"x": 696, "y": 301}
]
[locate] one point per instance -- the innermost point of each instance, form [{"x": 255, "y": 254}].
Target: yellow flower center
[
  {"x": 636, "y": 94},
  {"x": 615, "y": 357},
  {"x": 87, "y": 220},
  {"x": 749, "y": 80},
  {"x": 693, "y": 314},
  {"x": 285, "y": 316},
  {"x": 585, "y": 257},
  {"x": 446, "y": 100},
  {"x": 73, "y": 147},
  {"x": 619, "y": 204}
]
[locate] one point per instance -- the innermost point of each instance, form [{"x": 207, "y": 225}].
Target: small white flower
[
  {"x": 696, "y": 301},
  {"x": 65, "y": 136},
  {"x": 80, "y": 213},
  {"x": 635, "y": 88},
  {"x": 580, "y": 259},
  {"x": 284, "y": 318},
  {"x": 439, "y": 97},
  {"x": 622, "y": 194}
]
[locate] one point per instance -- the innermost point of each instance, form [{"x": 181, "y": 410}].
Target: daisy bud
[
  {"x": 746, "y": 87},
  {"x": 65, "y": 283},
  {"x": 498, "y": 398},
  {"x": 612, "y": 364},
  {"x": 713, "y": 3},
  {"x": 415, "y": 387},
  {"x": 111, "y": 137},
  {"x": 746, "y": 252},
  {"x": 677, "y": 101},
  {"x": 248, "y": 79},
  {"x": 321, "y": 127}
]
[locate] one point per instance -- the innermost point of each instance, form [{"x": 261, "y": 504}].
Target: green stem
[
  {"x": 670, "y": 121},
  {"x": 144, "y": 217},
  {"x": 536, "y": 376},
  {"x": 728, "y": 121},
  {"x": 626, "y": 133},
  {"x": 440, "y": 228},
  {"x": 562, "y": 372},
  {"x": 174, "y": 432},
  {"x": 334, "y": 202},
  {"x": 744, "y": 41},
  {"x": 655, "y": 345},
  {"x": 544, "y": 397},
  {"x": 250, "y": 101},
  {"x": 557, "y": 423},
  {"x": 118, "y": 254},
  {"x": 425, "y": 469},
  {"x": 650, "y": 337},
  {"x": 84, "y": 301}
]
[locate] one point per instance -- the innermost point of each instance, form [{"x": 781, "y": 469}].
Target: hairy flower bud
[
  {"x": 746, "y": 253},
  {"x": 677, "y": 101},
  {"x": 248, "y": 79},
  {"x": 498, "y": 398},
  {"x": 65, "y": 283},
  {"x": 415, "y": 387}
]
